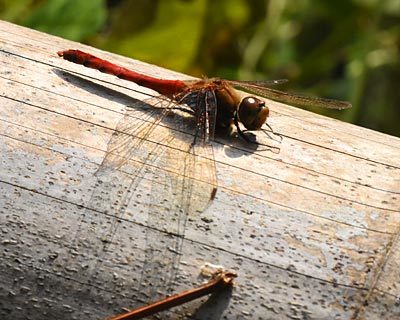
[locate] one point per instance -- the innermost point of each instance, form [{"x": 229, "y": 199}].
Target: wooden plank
[{"x": 311, "y": 230}]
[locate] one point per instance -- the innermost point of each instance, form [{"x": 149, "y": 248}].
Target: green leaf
[
  {"x": 72, "y": 19},
  {"x": 171, "y": 39}
]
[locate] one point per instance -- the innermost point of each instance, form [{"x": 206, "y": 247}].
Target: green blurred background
[{"x": 344, "y": 49}]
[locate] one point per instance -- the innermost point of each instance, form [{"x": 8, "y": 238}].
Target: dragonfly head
[{"x": 252, "y": 112}]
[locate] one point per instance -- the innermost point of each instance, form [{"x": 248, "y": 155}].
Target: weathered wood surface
[{"x": 313, "y": 231}]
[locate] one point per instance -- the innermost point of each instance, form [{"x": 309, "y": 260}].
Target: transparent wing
[
  {"x": 130, "y": 152},
  {"x": 189, "y": 185},
  {"x": 163, "y": 149},
  {"x": 261, "y": 83},
  {"x": 289, "y": 98},
  {"x": 132, "y": 131}
]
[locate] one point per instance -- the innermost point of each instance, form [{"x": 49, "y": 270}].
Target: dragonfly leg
[
  {"x": 273, "y": 132},
  {"x": 241, "y": 132}
]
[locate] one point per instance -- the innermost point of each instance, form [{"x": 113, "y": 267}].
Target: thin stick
[{"x": 220, "y": 281}]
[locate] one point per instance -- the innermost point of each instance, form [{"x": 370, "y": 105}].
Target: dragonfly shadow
[
  {"x": 96, "y": 88},
  {"x": 177, "y": 114},
  {"x": 238, "y": 146}
]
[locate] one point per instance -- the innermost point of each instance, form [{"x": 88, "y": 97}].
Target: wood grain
[{"x": 312, "y": 230}]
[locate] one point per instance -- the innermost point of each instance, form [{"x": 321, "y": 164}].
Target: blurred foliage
[{"x": 344, "y": 49}]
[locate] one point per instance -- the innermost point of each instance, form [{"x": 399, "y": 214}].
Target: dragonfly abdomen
[{"x": 163, "y": 86}]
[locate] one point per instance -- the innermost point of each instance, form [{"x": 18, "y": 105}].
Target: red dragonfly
[
  {"x": 218, "y": 103},
  {"x": 186, "y": 171}
]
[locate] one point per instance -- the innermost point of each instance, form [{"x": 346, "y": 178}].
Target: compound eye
[{"x": 252, "y": 113}]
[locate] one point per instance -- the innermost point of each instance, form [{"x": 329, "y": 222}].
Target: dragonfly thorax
[{"x": 252, "y": 112}]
